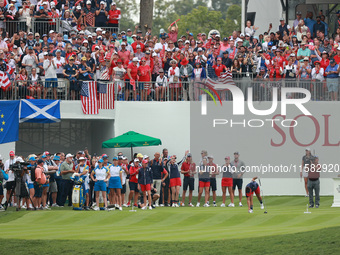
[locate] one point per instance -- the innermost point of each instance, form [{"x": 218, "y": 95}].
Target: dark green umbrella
[{"x": 131, "y": 139}]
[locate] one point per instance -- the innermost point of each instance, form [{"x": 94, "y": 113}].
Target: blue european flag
[
  {"x": 9, "y": 121},
  {"x": 40, "y": 111}
]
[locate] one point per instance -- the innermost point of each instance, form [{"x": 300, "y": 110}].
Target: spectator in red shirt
[
  {"x": 149, "y": 60},
  {"x": 138, "y": 42},
  {"x": 144, "y": 81},
  {"x": 114, "y": 16},
  {"x": 337, "y": 56},
  {"x": 123, "y": 53},
  {"x": 219, "y": 67},
  {"x": 130, "y": 84},
  {"x": 188, "y": 168},
  {"x": 133, "y": 182},
  {"x": 173, "y": 32},
  {"x": 99, "y": 44}
]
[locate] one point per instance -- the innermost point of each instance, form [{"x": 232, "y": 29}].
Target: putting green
[{"x": 285, "y": 216}]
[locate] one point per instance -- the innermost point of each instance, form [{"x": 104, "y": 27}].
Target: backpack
[
  {"x": 3, "y": 175},
  {"x": 33, "y": 173}
]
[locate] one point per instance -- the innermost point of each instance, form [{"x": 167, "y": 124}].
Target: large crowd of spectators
[
  {"x": 142, "y": 181},
  {"x": 154, "y": 67}
]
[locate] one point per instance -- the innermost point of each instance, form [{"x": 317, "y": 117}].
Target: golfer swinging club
[{"x": 252, "y": 187}]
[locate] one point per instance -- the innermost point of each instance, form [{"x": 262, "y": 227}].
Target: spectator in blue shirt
[
  {"x": 309, "y": 22},
  {"x": 318, "y": 26},
  {"x": 332, "y": 73}
]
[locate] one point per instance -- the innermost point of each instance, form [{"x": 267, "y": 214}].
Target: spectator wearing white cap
[
  {"x": 66, "y": 171},
  {"x": 89, "y": 12},
  {"x": 114, "y": 16},
  {"x": 101, "y": 15}
]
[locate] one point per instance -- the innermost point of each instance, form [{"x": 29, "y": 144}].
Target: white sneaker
[
  {"x": 262, "y": 206},
  {"x": 206, "y": 205},
  {"x": 176, "y": 205},
  {"x": 125, "y": 205},
  {"x": 111, "y": 209},
  {"x": 23, "y": 207},
  {"x": 182, "y": 204},
  {"x": 15, "y": 205},
  {"x": 55, "y": 205},
  {"x": 198, "y": 205},
  {"x": 190, "y": 205},
  {"x": 47, "y": 208},
  {"x": 96, "y": 208},
  {"x": 161, "y": 205},
  {"x": 215, "y": 204},
  {"x": 144, "y": 208},
  {"x": 173, "y": 205},
  {"x": 240, "y": 204},
  {"x": 250, "y": 211},
  {"x": 150, "y": 207},
  {"x": 120, "y": 208},
  {"x": 223, "y": 205},
  {"x": 156, "y": 204},
  {"x": 231, "y": 205}
]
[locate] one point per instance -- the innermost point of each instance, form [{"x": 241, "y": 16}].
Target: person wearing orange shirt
[{"x": 40, "y": 179}]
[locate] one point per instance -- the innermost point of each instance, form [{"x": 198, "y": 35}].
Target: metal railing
[
  {"x": 44, "y": 26},
  {"x": 262, "y": 90}
]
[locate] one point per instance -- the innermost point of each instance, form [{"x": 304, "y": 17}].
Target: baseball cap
[
  {"x": 40, "y": 160},
  {"x": 298, "y": 13},
  {"x": 187, "y": 41},
  {"x": 227, "y": 157},
  {"x": 136, "y": 160},
  {"x": 236, "y": 152},
  {"x": 51, "y": 32},
  {"x": 105, "y": 156},
  {"x": 99, "y": 29},
  {"x": 281, "y": 19},
  {"x": 69, "y": 155},
  {"x": 100, "y": 161},
  {"x": 113, "y": 3},
  {"x": 225, "y": 39},
  {"x": 189, "y": 155},
  {"x": 332, "y": 61},
  {"x": 32, "y": 159},
  {"x": 307, "y": 149},
  {"x": 119, "y": 61},
  {"x": 144, "y": 161},
  {"x": 43, "y": 156},
  {"x": 292, "y": 55},
  {"x": 134, "y": 60},
  {"x": 115, "y": 158},
  {"x": 120, "y": 157},
  {"x": 139, "y": 155},
  {"x": 88, "y": 2},
  {"x": 210, "y": 156},
  {"x": 81, "y": 158},
  {"x": 11, "y": 153},
  {"x": 102, "y": 2},
  {"x": 30, "y": 47},
  {"x": 306, "y": 59},
  {"x": 56, "y": 158},
  {"x": 123, "y": 43}
]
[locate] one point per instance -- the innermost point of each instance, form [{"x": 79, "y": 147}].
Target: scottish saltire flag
[
  {"x": 40, "y": 111},
  {"x": 9, "y": 121}
]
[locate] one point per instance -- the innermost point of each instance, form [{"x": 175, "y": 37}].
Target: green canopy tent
[{"x": 131, "y": 139}]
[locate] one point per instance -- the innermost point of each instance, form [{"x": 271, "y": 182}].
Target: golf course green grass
[{"x": 198, "y": 230}]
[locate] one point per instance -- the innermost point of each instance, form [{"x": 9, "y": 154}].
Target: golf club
[{"x": 265, "y": 209}]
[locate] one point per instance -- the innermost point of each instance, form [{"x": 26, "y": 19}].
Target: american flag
[
  {"x": 88, "y": 94},
  {"x": 4, "y": 81},
  {"x": 89, "y": 19},
  {"x": 106, "y": 95},
  {"x": 219, "y": 84}
]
